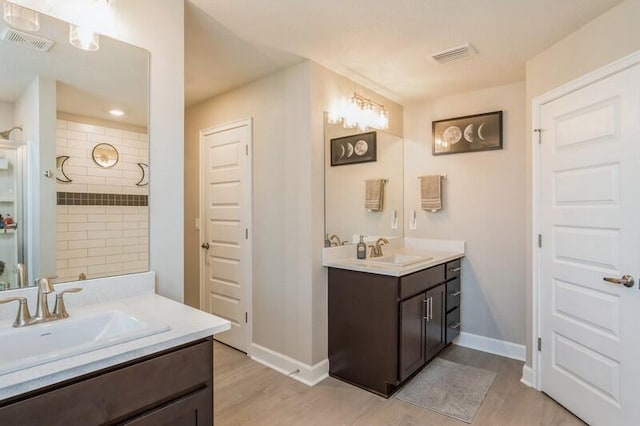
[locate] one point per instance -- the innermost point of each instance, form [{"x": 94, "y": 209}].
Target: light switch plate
[{"x": 197, "y": 224}]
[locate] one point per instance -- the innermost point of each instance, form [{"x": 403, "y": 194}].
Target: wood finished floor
[{"x": 248, "y": 393}]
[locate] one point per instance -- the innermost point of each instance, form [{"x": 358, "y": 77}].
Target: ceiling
[
  {"x": 88, "y": 83},
  {"x": 383, "y": 45}
]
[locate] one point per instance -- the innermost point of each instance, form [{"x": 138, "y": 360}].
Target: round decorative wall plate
[{"x": 105, "y": 155}]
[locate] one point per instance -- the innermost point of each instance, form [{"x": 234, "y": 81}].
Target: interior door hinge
[
  {"x": 246, "y": 233},
  {"x": 246, "y": 149},
  {"x": 539, "y": 343},
  {"x": 540, "y": 240},
  {"x": 539, "y": 132},
  {"x": 246, "y": 317}
]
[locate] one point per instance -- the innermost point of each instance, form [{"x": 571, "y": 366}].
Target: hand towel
[
  {"x": 374, "y": 195},
  {"x": 431, "y": 193}
]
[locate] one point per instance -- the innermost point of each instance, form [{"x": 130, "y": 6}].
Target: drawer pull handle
[
  {"x": 454, "y": 293},
  {"x": 455, "y": 269},
  {"x": 455, "y": 325}
]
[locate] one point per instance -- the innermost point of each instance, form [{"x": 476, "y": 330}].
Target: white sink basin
[
  {"x": 38, "y": 344},
  {"x": 396, "y": 260}
]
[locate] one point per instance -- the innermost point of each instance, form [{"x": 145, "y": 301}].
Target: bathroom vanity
[
  {"x": 170, "y": 387},
  {"x": 162, "y": 376},
  {"x": 387, "y": 322}
]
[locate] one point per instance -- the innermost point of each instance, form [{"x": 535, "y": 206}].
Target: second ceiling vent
[{"x": 455, "y": 53}]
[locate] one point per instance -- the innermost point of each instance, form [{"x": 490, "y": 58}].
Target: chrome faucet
[
  {"x": 376, "y": 250},
  {"x": 42, "y": 307},
  {"x": 337, "y": 241},
  {"x": 43, "y": 314}
]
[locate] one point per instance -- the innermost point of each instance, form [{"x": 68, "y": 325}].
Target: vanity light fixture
[
  {"x": 359, "y": 112},
  {"x": 83, "y": 38},
  {"x": 20, "y": 17}
]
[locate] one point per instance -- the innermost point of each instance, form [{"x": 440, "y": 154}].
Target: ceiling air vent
[
  {"x": 455, "y": 53},
  {"x": 27, "y": 40}
]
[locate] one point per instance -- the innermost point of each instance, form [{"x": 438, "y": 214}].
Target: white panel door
[
  {"x": 226, "y": 196},
  {"x": 590, "y": 222}
]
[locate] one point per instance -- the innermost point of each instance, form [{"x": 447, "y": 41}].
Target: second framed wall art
[{"x": 480, "y": 132}]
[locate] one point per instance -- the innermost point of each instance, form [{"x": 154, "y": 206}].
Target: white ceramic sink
[
  {"x": 38, "y": 344},
  {"x": 396, "y": 259}
]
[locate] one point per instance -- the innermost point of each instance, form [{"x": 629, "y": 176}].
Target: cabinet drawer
[
  {"x": 452, "y": 325},
  {"x": 453, "y": 269},
  {"x": 421, "y": 281},
  {"x": 119, "y": 394},
  {"x": 453, "y": 294}
]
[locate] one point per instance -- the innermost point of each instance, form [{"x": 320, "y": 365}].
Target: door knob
[
  {"x": 626, "y": 280},
  {"x": 205, "y": 246}
]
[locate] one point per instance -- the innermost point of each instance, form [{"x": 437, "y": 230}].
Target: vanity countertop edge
[
  {"x": 437, "y": 252},
  {"x": 186, "y": 325}
]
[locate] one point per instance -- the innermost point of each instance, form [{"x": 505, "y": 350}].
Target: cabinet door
[
  {"x": 192, "y": 410},
  {"x": 435, "y": 321},
  {"x": 412, "y": 324}
]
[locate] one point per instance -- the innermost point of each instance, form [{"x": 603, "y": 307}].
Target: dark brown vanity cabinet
[
  {"x": 174, "y": 387},
  {"x": 383, "y": 329}
]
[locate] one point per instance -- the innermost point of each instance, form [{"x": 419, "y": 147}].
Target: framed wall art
[
  {"x": 360, "y": 148},
  {"x": 480, "y": 132}
]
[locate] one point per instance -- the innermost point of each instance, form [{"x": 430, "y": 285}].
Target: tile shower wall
[{"x": 102, "y": 216}]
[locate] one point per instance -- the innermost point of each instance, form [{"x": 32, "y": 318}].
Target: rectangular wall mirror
[
  {"x": 74, "y": 156},
  {"x": 346, "y": 215}
]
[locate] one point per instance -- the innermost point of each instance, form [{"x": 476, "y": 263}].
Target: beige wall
[
  {"x": 609, "y": 37},
  {"x": 289, "y": 284},
  {"x": 281, "y": 299},
  {"x": 484, "y": 201},
  {"x": 163, "y": 36}
]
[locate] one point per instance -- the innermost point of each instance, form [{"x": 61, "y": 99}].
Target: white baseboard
[
  {"x": 493, "y": 346},
  {"x": 310, "y": 375},
  {"x": 527, "y": 376}
]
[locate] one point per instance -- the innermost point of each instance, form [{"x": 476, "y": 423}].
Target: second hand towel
[
  {"x": 374, "y": 194},
  {"x": 431, "y": 193}
]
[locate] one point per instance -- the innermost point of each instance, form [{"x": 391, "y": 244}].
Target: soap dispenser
[{"x": 362, "y": 248}]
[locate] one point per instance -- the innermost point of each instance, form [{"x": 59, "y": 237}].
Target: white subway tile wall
[{"x": 101, "y": 240}]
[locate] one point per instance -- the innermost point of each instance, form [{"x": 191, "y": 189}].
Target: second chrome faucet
[{"x": 376, "y": 251}]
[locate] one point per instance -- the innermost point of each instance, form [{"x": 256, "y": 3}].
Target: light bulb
[
  {"x": 21, "y": 17},
  {"x": 83, "y": 38},
  {"x": 383, "y": 119}
]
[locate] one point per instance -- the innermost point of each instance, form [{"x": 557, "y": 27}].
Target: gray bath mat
[{"x": 455, "y": 390}]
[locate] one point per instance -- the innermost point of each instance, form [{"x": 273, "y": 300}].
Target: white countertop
[
  {"x": 186, "y": 325},
  {"x": 435, "y": 253}
]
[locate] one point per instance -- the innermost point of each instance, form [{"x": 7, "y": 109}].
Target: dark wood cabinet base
[
  {"x": 174, "y": 387},
  {"x": 383, "y": 329}
]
